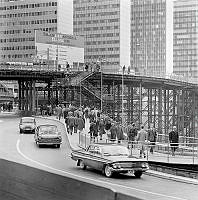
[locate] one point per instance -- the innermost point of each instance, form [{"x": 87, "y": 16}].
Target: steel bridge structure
[{"x": 152, "y": 101}]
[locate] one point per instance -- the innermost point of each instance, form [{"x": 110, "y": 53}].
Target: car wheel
[
  {"x": 82, "y": 165},
  {"x": 107, "y": 171},
  {"x": 58, "y": 145},
  {"x": 138, "y": 174},
  {"x": 21, "y": 131}
]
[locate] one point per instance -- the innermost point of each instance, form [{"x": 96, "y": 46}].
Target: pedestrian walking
[
  {"x": 93, "y": 131},
  {"x": 70, "y": 123},
  {"x": 119, "y": 133},
  {"x": 141, "y": 138},
  {"x": 101, "y": 128},
  {"x": 113, "y": 132},
  {"x": 152, "y": 137},
  {"x": 80, "y": 124},
  {"x": 174, "y": 140},
  {"x": 131, "y": 134},
  {"x": 58, "y": 111},
  {"x": 108, "y": 125}
]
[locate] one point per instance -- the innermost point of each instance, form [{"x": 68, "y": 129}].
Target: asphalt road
[{"x": 22, "y": 148}]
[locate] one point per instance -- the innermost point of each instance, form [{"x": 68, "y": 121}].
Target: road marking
[{"x": 89, "y": 179}]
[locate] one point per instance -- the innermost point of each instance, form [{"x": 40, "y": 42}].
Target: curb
[{"x": 172, "y": 177}]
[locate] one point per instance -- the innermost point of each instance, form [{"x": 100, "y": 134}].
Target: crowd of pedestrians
[{"x": 101, "y": 127}]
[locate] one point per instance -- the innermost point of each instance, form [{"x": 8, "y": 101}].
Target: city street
[{"x": 22, "y": 148}]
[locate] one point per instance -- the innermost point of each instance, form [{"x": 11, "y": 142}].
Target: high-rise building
[
  {"x": 19, "y": 19},
  {"x": 149, "y": 29},
  {"x": 185, "y": 33},
  {"x": 105, "y": 25}
]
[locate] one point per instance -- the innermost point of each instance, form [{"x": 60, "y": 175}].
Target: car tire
[
  {"x": 20, "y": 131},
  {"x": 138, "y": 174},
  {"x": 107, "y": 171},
  {"x": 82, "y": 165},
  {"x": 58, "y": 146}
]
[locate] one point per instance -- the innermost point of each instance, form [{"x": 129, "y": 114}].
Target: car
[
  {"x": 110, "y": 158},
  {"x": 47, "y": 134},
  {"x": 27, "y": 124}
]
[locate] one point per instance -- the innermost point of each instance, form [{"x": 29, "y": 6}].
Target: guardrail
[{"x": 162, "y": 152}]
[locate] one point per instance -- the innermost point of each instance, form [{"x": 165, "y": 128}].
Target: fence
[{"x": 162, "y": 152}]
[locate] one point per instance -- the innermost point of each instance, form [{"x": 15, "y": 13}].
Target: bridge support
[{"x": 27, "y": 96}]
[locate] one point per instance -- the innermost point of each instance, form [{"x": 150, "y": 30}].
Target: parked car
[
  {"x": 48, "y": 134},
  {"x": 110, "y": 159},
  {"x": 27, "y": 124}
]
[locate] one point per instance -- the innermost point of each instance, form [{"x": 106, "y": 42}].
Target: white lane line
[{"x": 90, "y": 179}]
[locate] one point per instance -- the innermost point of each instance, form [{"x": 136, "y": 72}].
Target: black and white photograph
[{"x": 98, "y": 99}]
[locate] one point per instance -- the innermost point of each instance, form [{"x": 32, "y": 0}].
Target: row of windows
[
  {"x": 103, "y": 49},
  {"x": 94, "y": 7},
  {"x": 10, "y": 32},
  {"x": 106, "y": 56},
  {"x": 21, "y": 23},
  {"x": 96, "y": 21},
  {"x": 16, "y": 40},
  {"x": 103, "y": 35},
  {"x": 23, "y": 6},
  {"x": 96, "y": 28},
  {"x": 16, "y": 56},
  {"x": 13, "y": 48},
  {"x": 102, "y": 42},
  {"x": 27, "y": 14},
  {"x": 97, "y": 14}
]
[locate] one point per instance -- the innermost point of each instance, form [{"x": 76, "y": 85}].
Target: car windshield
[
  {"x": 48, "y": 130},
  {"x": 115, "y": 151},
  {"x": 27, "y": 120}
]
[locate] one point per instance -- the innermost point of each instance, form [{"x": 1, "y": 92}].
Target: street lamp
[
  {"x": 101, "y": 85},
  {"x": 123, "y": 69}
]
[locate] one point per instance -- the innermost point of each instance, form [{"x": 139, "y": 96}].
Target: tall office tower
[
  {"x": 148, "y": 36},
  {"x": 20, "y": 18},
  {"x": 185, "y": 46},
  {"x": 105, "y": 24}
]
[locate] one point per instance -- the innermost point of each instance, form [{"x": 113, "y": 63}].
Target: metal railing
[{"x": 162, "y": 152}]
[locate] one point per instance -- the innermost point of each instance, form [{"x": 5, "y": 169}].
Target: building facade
[
  {"x": 20, "y": 19},
  {"x": 149, "y": 36},
  {"x": 185, "y": 46},
  {"x": 105, "y": 25}
]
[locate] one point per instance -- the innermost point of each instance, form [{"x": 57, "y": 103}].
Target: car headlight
[{"x": 116, "y": 166}]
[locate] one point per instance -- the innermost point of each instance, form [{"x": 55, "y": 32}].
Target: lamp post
[
  {"x": 123, "y": 69},
  {"x": 101, "y": 92}
]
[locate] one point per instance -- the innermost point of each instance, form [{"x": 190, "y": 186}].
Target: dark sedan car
[
  {"x": 27, "y": 124},
  {"x": 48, "y": 134},
  {"x": 110, "y": 159}
]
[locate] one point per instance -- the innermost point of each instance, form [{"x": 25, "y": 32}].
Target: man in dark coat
[
  {"x": 113, "y": 132},
  {"x": 131, "y": 133},
  {"x": 152, "y": 136},
  {"x": 174, "y": 140}
]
